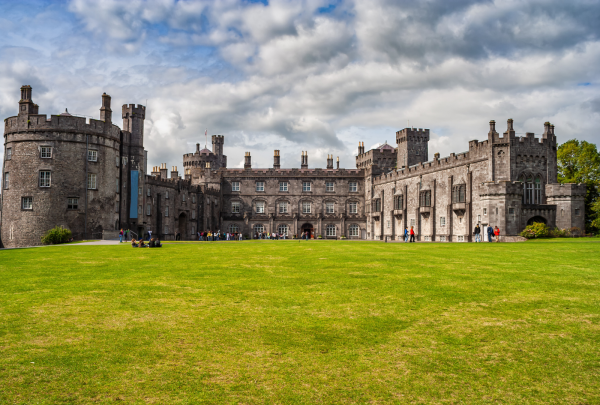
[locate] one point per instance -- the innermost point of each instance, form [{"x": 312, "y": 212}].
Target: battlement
[
  {"x": 565, "y": 190},
  {"x": 60, "y": 123},
  {"x": 412, "y": 134},
  {"x": 218, "y": 139},
  {"x": 317, "y": 172},
  {"x": 491, "y": 188},
  {"x": 138, "y": 111}
]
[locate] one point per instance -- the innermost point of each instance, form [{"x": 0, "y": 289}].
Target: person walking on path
[
  {"x": 405, "y": 234},
  {"x": 497, "y": 233},
  {"x": 477, "y": 233},
  {"x": 121, "y": 236},
  {"x": 126, "y": 235},
  {"x": 412, "y": 234},
  {"x": 490, "y": 233}
]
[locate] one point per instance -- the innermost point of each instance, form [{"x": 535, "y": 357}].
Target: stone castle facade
[{"x": 91, "y": 176}]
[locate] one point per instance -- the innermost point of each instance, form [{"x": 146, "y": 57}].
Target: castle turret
[
  {"x": 133, "y": 122},
  {"x": 26, "y": 104},
  {"x": 412, "y": 146}
]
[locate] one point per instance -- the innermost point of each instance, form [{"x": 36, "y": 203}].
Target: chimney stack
[
  {"x": 436, "y": 156},
  {"x": 492, "y": 126},
  {"x": 155, "y": 171},
  {"x": 174, "y": 172},
  {"x": 247, "y": 161},
  {"x": 164, "y": 172},
  {"x": 105, "y": 111},
  {"x": 338, "y": 162},
  {"x": 276, "y": 161},
  {"x": 304, "y": 162},
  {"x": 197, "y": 148},
  {"x": 330, "y": 161}
]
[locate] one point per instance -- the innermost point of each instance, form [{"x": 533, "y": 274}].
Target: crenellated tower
[{"x": 412, "y": 146}]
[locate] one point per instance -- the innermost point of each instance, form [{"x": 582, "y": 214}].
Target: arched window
[
  {"x": 283, "y": 230},
  {"x": 330, "y": 230},
  {"x": 529, "y": 190},
  {"x": 537, "y": 189},
  {"x": 233, "y": 228},
  {"x": 353, "y": 230},
  {"x": 259, "y": 228}
]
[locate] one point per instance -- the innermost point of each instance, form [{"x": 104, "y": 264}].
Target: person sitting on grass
[
  {"x": 154, "y": 242},
  {"x": 141, "y": 243},
  {"x": 134, "y": 242}
]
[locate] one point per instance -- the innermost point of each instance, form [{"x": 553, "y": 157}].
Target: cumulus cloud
[{"x": 312, "y": 75}]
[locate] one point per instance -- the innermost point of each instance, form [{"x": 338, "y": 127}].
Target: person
[
  {"x": 121, "y": 236},
  {"x": 154, "y": 243},
  {"x": 412, "y": 234},
  {"x": 490, "y": 233},
  {"x": 177, "y": 235},
  {"x": 149, "y": 234},
  {"x": 126, "y": 234},
  {"x": 477, "y": 233},
  {"x": 405, "y": 234},
  {"x": 497, "y": 233},
  {"x": 134, "y": 242}
]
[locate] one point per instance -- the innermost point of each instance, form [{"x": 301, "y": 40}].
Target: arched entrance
[
  {"x": 538, "y": 219},
  {"x": 182, "y": 226},
  {"x": 308, "y": 229}
]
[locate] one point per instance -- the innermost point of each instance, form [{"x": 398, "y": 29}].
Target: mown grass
[{"x": 301, "y": 322}]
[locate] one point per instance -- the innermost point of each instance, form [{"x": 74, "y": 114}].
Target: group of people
[
  {"x": 153, "y": 243},
  {"x": 214, "y": 236},
  {"x": 267, "y": 235},
  {"x": 409, "y": 236},
  {"x": 491, "y": 232}
]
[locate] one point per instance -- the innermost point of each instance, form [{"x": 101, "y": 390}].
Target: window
[
  {"x": 92, "y": 155},
  {"x": 376, "y": 205},
  {"x": 306, "y": 208},
  {"x": 353, "y": 207},
  {"x": 233, "y": 228},
  {"x": 485, "y": 211},
  {"x": 329, "y": 208},
  {"x": 45, "y": 152},
  {"x": 443, "y": 238},
  {"x": 166, "y": 211},
  {"x": 8, "y": 153},
  {"x": 193, "y": 214},
  {"x": 6, "y": 179},
  {"x": 425, "y": 198},
  {"x": 140, "y": 192},
  {"x": 259, "y": 228},
  {"x": 193, "y": 230},
  {"x": 260, "y": 186},
  {"x": 353, "y": 186},
  {"x": 27, "y": 203},
  {"x": 235, "y": 207},
  {"x": 353, "y": 230},
  {"x": 183, "y": 197},
  {"x": 235, "y": 186},
  {"x": 537, "y": 190},
  {"x": 329, "y": 186},
  {"x": 166, "y": 229},
  {"x": 283, "y": 230},
  {"x": 148, "y": 209},
  {"x": 72, "y": 203},
  {"x": 283, "y": 207},
  {"x": 442, "y": 221},
  {"x": 398, "y": 202},
  {"x": 478, "y": 218},
  {"x": 91, "y": 181},
  {"x": 306, "y": 186},
  {"x": 260, "y": 207},
  {"x": 412, "y": 222},
  {"x": 511, "y": 211},
  {"x": 44, "y": 178},
  {"x": 458, "y": 193},
  {"x": 117, "y": 161},
  {"x": 140, "y": 211},
  {"x": 283, "y": 186},
  {"x": 148, "y": 192},
  {"x": 388, "y": 224},
  {"x": 529, "y": 191},
  {"x": 116, "y": 206},
  {"x": 577, "y": 211},
  {"x": 427, "y": 238},
  {"x": 330, "y": 230},
  {"x": 193, "y": 198},
  {"x": 460, "y": 238}
]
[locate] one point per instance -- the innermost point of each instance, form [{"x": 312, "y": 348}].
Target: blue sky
[{"x": 311, "y": 75}]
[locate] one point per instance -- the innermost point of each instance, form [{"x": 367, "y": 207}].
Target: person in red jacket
[
  {"x": 497, "y": 233},
  {"x": 412, "y": 234}
]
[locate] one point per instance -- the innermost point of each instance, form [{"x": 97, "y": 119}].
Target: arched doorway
[
  {"x": 538, "y": 219},
  {"x": 182, "y": 226},
  {"x": 308, "y": 229}
]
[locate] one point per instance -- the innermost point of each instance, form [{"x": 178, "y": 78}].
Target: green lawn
[{"x": 302, "y": 322}]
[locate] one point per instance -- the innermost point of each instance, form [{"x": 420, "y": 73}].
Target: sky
[{"x": 313, "y": 75}]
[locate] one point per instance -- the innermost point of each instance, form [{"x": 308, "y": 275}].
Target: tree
[{"x": 579, "y": 162}]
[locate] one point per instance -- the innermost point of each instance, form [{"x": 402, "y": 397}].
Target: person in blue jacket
[{"x": 490, "y": 232}]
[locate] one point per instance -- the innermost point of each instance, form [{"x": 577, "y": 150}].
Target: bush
[
  {"x": 56, "y": 235},
  {"x": 559, "y": 233},
  {"x": 535, "y": 230}
]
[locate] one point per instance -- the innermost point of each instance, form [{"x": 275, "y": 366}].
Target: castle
[{"x": 91, "y": 176}]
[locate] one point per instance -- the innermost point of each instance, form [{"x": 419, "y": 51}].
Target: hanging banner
[{"x": 133, "y": 210}]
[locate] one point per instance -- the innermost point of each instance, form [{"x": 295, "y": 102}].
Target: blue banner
[{"x": 133, "y": 208}]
